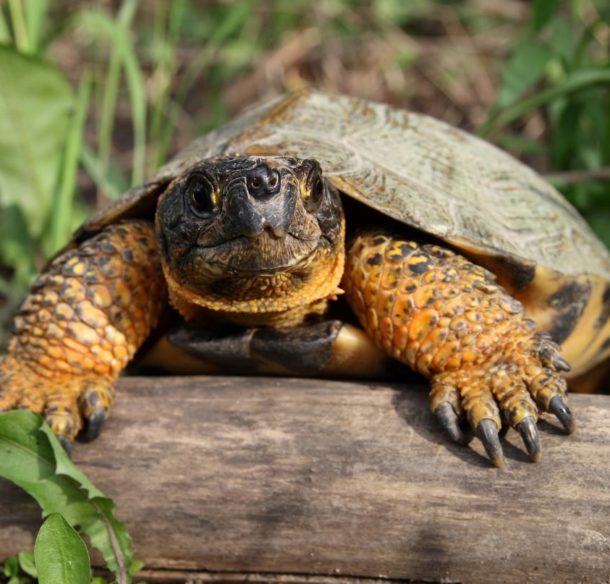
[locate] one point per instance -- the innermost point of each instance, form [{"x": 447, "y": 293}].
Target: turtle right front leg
[{"x": 80, "y": 325}]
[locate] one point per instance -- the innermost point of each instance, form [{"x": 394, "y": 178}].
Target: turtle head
[{"x": 251, "y": 229}]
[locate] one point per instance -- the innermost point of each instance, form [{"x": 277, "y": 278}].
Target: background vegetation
[{"x": 94, "y": 96}]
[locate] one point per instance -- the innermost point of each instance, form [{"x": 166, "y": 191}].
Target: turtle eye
[
  {"x": 315, "y": 193},
  {"x": 202, "y": 195}
]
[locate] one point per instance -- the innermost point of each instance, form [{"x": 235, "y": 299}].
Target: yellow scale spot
[
  {"x": 56, "y": 352},
  {"x": 453, "y": 362},
  {"x": 44, "y": 315},
  {"x": 423, "y": 295},
  {"x": 443, "y": 353},
  {"x": 114, "y": 336},
  {"x": 422, "y": 323},
  {"x": 101, "y": 354},
  {"x": 82, "y": 333},
  {"x": 79, "y": 269},
  {"x": 91, "y": 315},
  {"x": 473, "y": 316},
  {"x": 50, "y": 298},
  {"x": 64, "y": 310},
  {"x": 101, "y": 368},
  {"x": 391, "y": 278},
  {"x": 121, "y": 353},
  {"x": 401, "y": 337},
  {"x": 423, "y": 363},
  {"x": 73, "y": 290},
  {"x": 101, "y": 296}
]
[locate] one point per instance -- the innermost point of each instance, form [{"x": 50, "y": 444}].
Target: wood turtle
[{"x": 457, "y": 261}]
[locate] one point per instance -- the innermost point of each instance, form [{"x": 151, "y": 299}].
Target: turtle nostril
[{"x": 263, "y": 182}]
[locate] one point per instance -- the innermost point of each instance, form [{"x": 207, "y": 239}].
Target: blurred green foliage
[{"x": 561, "y": 66}]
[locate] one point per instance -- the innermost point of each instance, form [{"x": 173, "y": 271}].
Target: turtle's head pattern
[{"x": 251, "y": 227}]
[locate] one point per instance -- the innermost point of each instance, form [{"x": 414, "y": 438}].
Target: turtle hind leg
[
  {"x": 448, "y": 319},
  {"x": 81, "y": 323}
]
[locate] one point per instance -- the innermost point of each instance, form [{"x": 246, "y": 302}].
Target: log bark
[{"x": 290, "y": 480}]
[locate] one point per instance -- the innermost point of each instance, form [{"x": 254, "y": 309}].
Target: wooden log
[{"x": 281, "y": 479}]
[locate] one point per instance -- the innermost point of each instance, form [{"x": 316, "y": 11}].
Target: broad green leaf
[
  {"x": 525, "y": 67},
  {"x": 35, "y": 105},
  {"x": 32, "y": 457},
  {"x": 542, "y": 12},
  {"x": 61, "y": 555}
]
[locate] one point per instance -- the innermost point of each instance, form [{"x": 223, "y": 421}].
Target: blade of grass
[
  {"x": 99, "y": 23},
  {"x": 22, "y": 42},
  {"x": 165, "y": 70},
  {"x": 61, "y": 213},
  {"x": 240, "y": 13},
  {"x": 578, "y": 81},
  {"x": 5, "y": 34},
  {"x": 113, "y": 183},
  {"x": 137, "y": 98},
  {"x": 111, "y": 85},
  {"x": 36, "y": 17}
]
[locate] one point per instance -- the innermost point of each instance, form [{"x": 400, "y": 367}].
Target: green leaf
[
  {"x": 35, "y": 105},
  {"x": 32, "y": 457},
  {"x": 26, "y": 563},
  {"x": 525, "y": 67},
  {"x": 36, "y": 15},
  {"x": 10, "y": 567},
  {"x": 61, "y": 555},
  {"x": 542, "y": 12},
  {"x": 578, "y": 81},
  {"x": 17, "y": 249}
]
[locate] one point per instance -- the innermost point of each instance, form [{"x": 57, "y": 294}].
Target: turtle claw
[
  {"x": 94, "y": 424},
  {"x": 529, "y": 434},
  {"x": 487, "y": 433},
  {"x": 450, "y": 422},
  {"x": 558, "y": 406}
]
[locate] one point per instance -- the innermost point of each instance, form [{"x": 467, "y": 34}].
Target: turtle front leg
[
  {"x": 448, "y": 319},
  {"x": 80, "y": 325}
]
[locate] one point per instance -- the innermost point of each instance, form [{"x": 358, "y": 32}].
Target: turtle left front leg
[
  {"x": 82, "y": 322},
  {"x": 448, "y": 319}
]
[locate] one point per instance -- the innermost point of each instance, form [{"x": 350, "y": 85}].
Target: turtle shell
[{"x": 438, "y": 179}]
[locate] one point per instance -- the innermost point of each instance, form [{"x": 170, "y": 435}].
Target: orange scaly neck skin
[{"x": 281, "y": 298}]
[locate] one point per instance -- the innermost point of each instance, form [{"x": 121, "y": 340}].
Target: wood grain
[{"x": 221, "y": 476}]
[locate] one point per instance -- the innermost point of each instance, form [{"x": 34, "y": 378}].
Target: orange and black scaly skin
[
  {"x": 80, "y": 325},
  {"x": 448, "y": 319}
]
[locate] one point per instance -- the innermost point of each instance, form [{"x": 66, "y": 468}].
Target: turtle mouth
[{"x": 265, "y": 254}]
